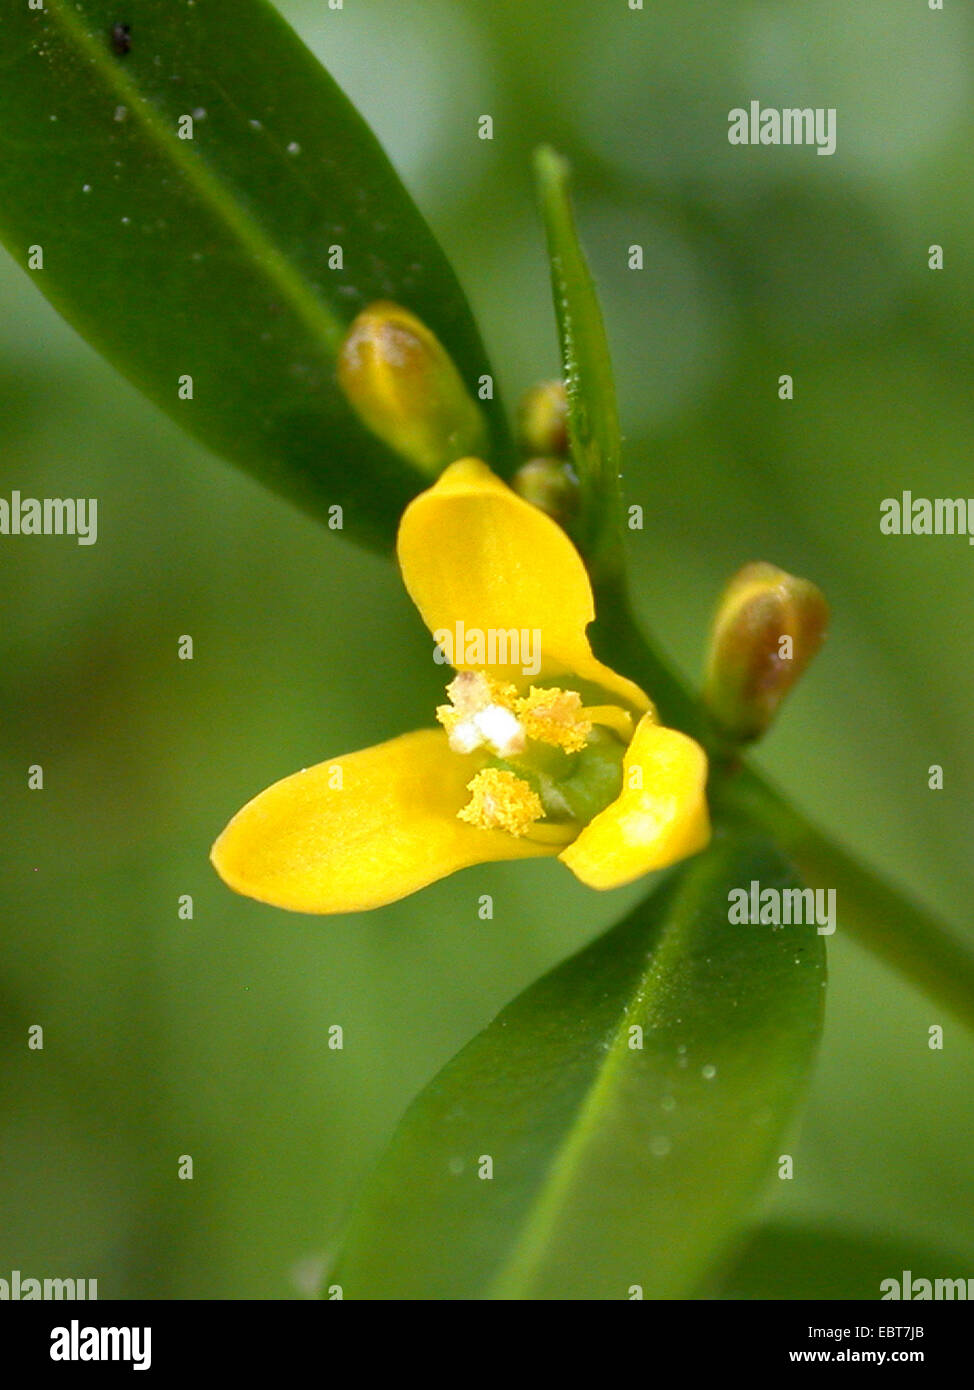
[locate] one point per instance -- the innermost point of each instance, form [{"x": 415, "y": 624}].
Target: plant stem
[
  {"x": 907, "y": 936},
  {"x": 618, "y": 640}
]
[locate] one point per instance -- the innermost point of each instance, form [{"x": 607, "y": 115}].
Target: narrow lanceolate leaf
[
  {"x": 610, "y": 1129},
  {"x": 196, "y": 196},
  {"x": 593, "y": 419}
]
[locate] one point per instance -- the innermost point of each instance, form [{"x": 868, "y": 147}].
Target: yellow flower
[{"x": 542, "y": 749}]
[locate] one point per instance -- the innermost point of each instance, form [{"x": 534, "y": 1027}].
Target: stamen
[
  {"x": 501, "y": 801},
  {"x": 555, "y": 716}
]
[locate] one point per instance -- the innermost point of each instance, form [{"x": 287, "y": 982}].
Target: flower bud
[
  {"x": 767, "y": 628},
  {"x": 551, "y": 485},
  {"x": 542, "y": 421},
  {"x": 404, "y": 387}
]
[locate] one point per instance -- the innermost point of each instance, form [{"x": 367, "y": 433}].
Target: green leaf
[
  {"x": 783, "y": 1261},
  {"x": 612, "y": 1166},
  {"x": 593, "y": 418},
  {"x": 209, "y": 257}
]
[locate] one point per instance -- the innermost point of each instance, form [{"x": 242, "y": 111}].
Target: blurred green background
[{"x": 209, "y": 1037}]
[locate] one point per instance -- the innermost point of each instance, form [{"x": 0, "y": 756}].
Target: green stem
[
  {"x": 885, "y": 919},
  {"x": 619, "y": 641},
  {"x": 894, "y": 926}
]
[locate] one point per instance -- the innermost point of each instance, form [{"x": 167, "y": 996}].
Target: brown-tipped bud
[
  {"x": 542, "y": 421},
  {"x": 767, "y": 628},
  {"x": 551, "y": 485},
  {"x": 404, "y": 387}
]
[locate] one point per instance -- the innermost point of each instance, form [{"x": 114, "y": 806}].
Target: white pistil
[{"x": 494, "y": 726}]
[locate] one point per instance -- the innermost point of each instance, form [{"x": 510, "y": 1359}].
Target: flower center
[
  {"x": 552, "y": 763},
  {"x": 481, "y": 714}
]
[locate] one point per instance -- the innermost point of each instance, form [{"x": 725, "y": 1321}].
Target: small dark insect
[{"x": 121, "y": 39}]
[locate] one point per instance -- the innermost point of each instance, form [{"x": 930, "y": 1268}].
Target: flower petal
[
  {"x": 387, "y": 828},
  {"x": 473, "y": 552},
  {"x": 652, "y": 826}
]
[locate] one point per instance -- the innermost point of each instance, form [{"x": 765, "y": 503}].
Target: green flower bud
[
  {"x": 551, "y": 485},
  {"x": 404, "y": 387},
  {"x": 542, "y": 422},
  {"x": 767, "y": 628}
]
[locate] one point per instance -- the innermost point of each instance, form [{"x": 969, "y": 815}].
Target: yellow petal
[
  {"x": 652, "y": 826},
  {"x": 473, "y": 552},
  {"x": 320, "y": 842}
]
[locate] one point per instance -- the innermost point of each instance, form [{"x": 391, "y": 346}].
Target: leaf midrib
[
  {"x": 529, "y": 1249},
  {"x": 325, "y": 326}
]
